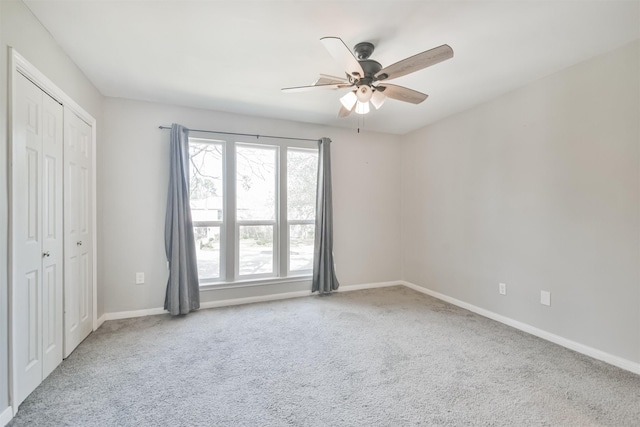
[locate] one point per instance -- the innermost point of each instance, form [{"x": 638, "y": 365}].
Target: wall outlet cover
[
  {"x": 502, "y": 288},
  {"x": 139, "y": 278},
  {"x": 545, "y": 298}
]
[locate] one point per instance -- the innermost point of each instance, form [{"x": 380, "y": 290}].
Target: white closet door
[
  {"x": 78, "y": 290},
  {"x": 37, "y": 236},
  {"x": 52, "y": 235}
]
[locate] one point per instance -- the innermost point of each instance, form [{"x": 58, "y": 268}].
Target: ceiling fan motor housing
[
  {"x": 363, "y": 50},
  {"x": 370, "y": 68}
]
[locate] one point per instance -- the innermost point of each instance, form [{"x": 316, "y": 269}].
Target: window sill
[{"x": 213, "y": 286}]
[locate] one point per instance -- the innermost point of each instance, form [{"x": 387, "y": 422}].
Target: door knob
[
  {"x": 79, "y": 243},
  {"x": 46, "y": 254}
]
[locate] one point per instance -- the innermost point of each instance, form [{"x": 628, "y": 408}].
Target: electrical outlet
[
  {"x": 545, "y": 298},
  {"x": 502, "y": 288},
  {"x": 139, "y": 278}
]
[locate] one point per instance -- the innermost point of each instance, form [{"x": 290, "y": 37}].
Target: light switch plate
[{"x": 139, "y": 278}]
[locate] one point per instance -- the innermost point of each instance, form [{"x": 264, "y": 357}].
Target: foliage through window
[{"x": 253, "y": 209}]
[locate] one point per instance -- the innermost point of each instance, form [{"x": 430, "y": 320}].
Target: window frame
[{"x": 229, "y": 227}]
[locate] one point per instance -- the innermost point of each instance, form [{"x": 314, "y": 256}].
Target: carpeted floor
[{"x": 380, "y": 357}]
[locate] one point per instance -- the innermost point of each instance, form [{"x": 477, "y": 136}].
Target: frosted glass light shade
[
  {"x": 377, "y": 99},
  {"x": 362, "y": 107},
  {"x": 349, "y": 100}
]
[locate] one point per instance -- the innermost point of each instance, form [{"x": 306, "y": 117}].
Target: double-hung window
[{"x": 253, "y": 209}]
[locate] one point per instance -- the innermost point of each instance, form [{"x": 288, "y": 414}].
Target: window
[
  {"x": 256, "y": 190},
  {"x": 253, "y": 209},
  {"x": 207, "y": 202},
  {"x": 302, "y": 175}
]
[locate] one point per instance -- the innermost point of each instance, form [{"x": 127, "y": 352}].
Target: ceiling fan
[{"x": 369, "y": 77}]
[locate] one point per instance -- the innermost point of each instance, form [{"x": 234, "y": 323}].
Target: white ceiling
[{"x": 236, "y": 55}]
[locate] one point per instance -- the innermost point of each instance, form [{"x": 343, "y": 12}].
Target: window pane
[
  {"x": 256, "y": 182},
  {"x": 301, "y": 246},
  {"x": 256, "y": 249},
  {"x": 206, "y": 181},
  {"x": 302, "y": 175},
  {"x": 208, "y": 251}
]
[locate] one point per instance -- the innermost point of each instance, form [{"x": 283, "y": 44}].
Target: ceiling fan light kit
[{"x": 368, "y": 76}]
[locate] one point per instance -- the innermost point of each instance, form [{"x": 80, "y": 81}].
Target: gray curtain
[
  {"x": 183, "y": 289},
  {"x": 324, "y": 275}
]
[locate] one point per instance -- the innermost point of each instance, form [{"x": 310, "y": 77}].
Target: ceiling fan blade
[
  {"x": 344, "y": 112},
  {"x": 402, "y": 93},
  {"x": 343, "y": 55},
  {"x": 315, "y": 87},
  {"x": 327, "y": 79},
  {"x": 415, "y": 63}
]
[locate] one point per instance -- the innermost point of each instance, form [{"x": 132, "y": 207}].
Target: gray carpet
[{"x": 381, "y": 357}]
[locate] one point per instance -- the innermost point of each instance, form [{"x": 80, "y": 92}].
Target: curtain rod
[{"x": 244, "y": 134}]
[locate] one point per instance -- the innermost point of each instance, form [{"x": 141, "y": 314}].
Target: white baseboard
[
  {"x": 348, "y": 288},
  {"x": 6, "y": 416},
  {"x": 556, "y": 339},
  {"x": 100, "y": 320},
  {"x": 240, "y": 301},
  {"x": 251, "y": 300},
  {"x": 134, "y": 313}
]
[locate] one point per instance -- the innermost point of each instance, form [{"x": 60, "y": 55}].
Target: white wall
[
  {"x": 4, "y": 224},
  {"x": 539, "y": 189},
  {"x": 21, "y": 30},
  {"x": 133, "y": 182}
]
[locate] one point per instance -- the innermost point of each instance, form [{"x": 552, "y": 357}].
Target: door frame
[{"x": 18, "y": 64}]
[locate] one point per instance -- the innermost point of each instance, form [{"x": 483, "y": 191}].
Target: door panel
[
  {"x": 26, "y": 237},
  {"x": 52, "y": 235},
  {"x": 33, "y": 322},
  {"x": 71, "y": 297},
  {"x": 85, "y": 303},
  {"x": 33, "y": 194},
  {"x": 49, "y": 308},
  {"x": 36, "y": 180},
  {"x": 78, "y": 293},
  {"x": 83, "y": 203}
]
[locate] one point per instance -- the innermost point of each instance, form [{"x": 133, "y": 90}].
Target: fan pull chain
[{"x": 361, "y": 121}]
